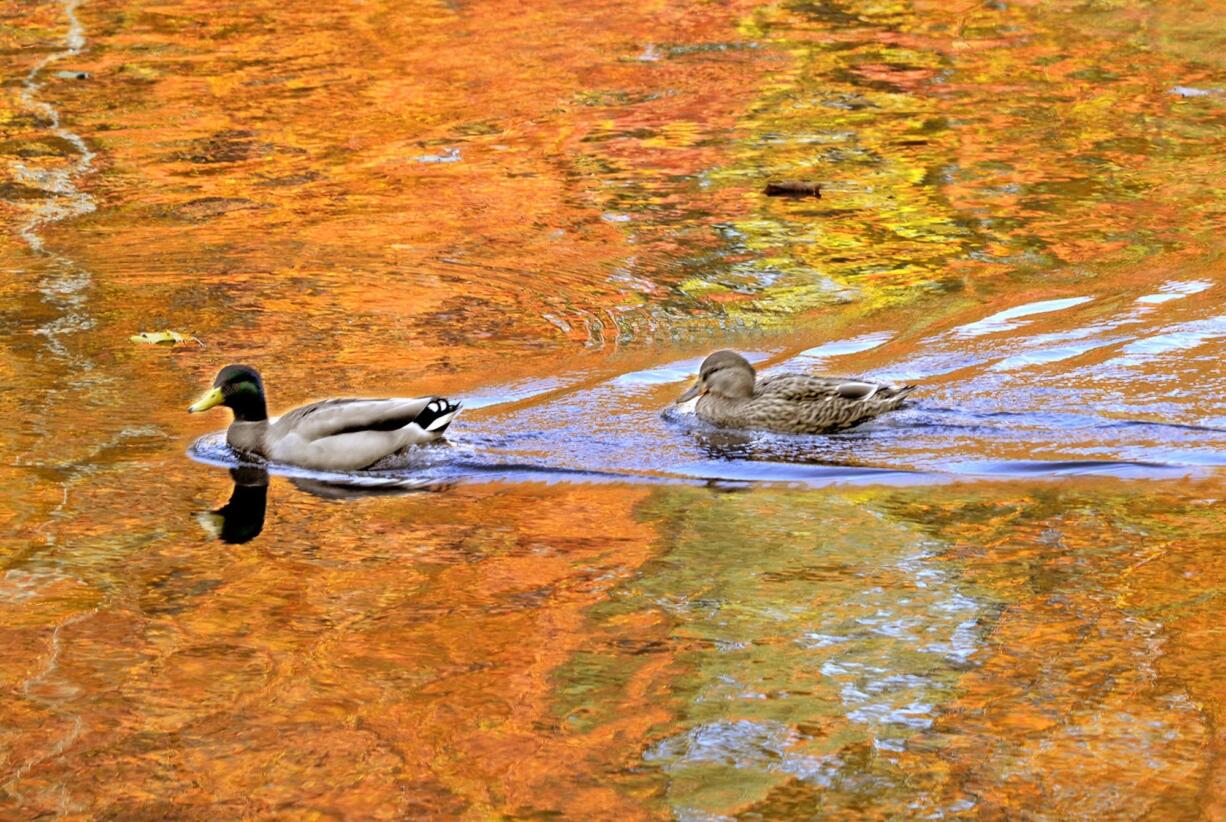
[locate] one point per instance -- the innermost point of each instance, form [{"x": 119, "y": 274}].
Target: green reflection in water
[{"x": 899, "y": 651}]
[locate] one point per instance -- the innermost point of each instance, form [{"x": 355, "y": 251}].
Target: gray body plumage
[
  {"x": 731, "y": 396},
  {"x": 338, "y": 434}
]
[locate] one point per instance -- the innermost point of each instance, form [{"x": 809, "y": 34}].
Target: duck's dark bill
[
  {"x": 212, "y": 398},
  {"x": 694, "y": 390}
]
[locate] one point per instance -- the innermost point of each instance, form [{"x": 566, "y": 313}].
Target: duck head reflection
[{"x": 241, "y": 519}]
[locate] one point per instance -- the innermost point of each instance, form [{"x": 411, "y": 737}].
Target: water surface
[{"x": 1000, "y": 602}]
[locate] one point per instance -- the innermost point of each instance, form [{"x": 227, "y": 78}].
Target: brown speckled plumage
[{"x": 730, "y": 395}]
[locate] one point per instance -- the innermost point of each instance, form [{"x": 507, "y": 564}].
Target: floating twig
[{"x": 793, "y": 188}]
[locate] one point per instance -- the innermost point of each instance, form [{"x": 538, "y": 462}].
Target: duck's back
[
  {"x": 354, "y": 433},
  {"x": 806, "y": 388},
  {"x": 804, "y": 404}
]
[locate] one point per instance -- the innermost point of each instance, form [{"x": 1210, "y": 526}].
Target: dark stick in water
[{"x": 793, "y": 188}]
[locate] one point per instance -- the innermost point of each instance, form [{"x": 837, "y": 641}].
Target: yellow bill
[{"x": 212, "y": 398}]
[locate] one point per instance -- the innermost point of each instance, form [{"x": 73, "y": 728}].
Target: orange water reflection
[
  {"x": 621, "y": 651},
  {"x": 546, "y": 209}
]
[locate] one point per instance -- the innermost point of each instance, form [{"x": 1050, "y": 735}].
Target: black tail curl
[{"x": 435, "y": 410}]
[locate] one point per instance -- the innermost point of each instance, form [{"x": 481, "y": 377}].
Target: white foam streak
[
  {"x": 66, "y": 200},
  {"x": 1005, "y": 320},
  {"x": 842, "y": 348}
]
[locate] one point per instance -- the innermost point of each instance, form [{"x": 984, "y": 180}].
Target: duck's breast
[{"x": 248, "y": 437}]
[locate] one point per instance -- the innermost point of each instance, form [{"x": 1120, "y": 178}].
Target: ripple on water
[
  {"x": 614, "y": 431},
  {"x": 1175, "y": 290},
  {"x": 1181, "y": 337},
  {"x": 1007, "y": 320},
  {"x": 1047, "y": 356},
  {"x": 817, "y": 356},
  {"x": 674, "y": 372},
  {"x": 738, "y": 745}
]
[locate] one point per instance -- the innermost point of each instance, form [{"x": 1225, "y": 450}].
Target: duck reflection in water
[
  {"x": 367, "y": 487},
  {"x": 241, "y": 519},
  {"x": 731, "y": 445},
  {"x": 747, "y": 456}
]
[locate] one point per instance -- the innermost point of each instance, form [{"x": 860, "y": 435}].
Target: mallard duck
[
  {"x": 730, "y": 395},
  {"x": 330, "y": 435}
]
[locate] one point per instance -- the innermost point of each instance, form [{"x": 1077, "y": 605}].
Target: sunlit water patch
[
  {"x": 1011, "y": 318},
  {"x": 1175, "y": 290},
  {"x": 1182, "y": 337},
  {"x": 819, "y": 355},
  {"x": 781, "y": 688}
]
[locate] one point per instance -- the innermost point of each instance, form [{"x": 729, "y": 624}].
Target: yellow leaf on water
[{"x": 167, "y": 336}]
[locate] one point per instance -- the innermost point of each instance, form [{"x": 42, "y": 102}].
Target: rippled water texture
[{"x": 1003, "y": 602}]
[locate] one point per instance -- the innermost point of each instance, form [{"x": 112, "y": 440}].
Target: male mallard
[
  {"x": 730, "y": 395},
  {"x": 330, "y": 435}
]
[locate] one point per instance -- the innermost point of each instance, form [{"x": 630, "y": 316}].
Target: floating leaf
[{"x": 167, "y": 336}]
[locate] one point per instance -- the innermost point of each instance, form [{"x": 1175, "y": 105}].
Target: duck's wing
[
  {"x": 330, "y": 418},
  {"x": 353, "y": 434},
  {"x": 804, "y": 388}
]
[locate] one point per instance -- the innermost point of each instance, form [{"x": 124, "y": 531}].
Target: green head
[{"x": 239, "y": 388}]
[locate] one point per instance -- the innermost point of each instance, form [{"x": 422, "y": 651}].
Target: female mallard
[
  {"x": 729, "y": 395},
  {"x": 330, "y": 435}
]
